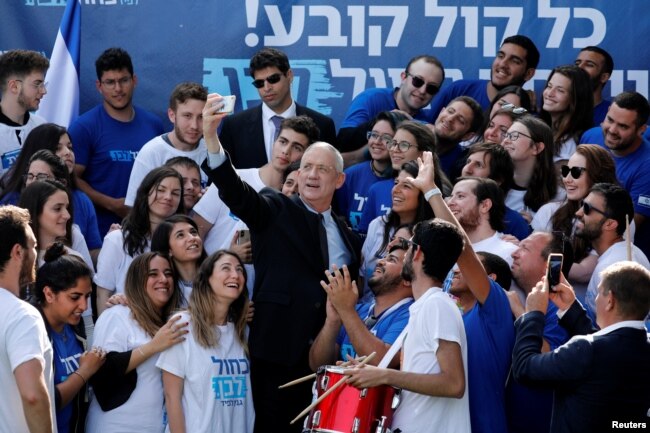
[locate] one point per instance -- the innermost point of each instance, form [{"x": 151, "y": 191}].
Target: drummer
[{"x": 353, "y": 329}]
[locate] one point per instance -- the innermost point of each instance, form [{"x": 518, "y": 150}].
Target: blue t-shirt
[
  {"x": 369, "y": 103},
  {"x": 600, "y": 111},
  {"x": 490, "y": 339},
  {"x": 379, "y": 202},
  {"x": 515, "y": 224},
  {"x": 351, "y": 197},
  {"x": 86, "y": 218},
  {"x": 67, "y": 351},
  {"x": 476, "y": 89},
  {"x": 387, "y": 328},
  {"x": 107, "y": 149}
]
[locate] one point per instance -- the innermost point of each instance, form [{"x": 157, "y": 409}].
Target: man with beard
[
  {"x": 421, "y": 81},
  {"x": 457, "y": 122},
  {"x": 433, "y": 374},
  {"x": 361, "y": 329},
  {"x": 622, "y": 133},
  {"x": 22, "y": 85},
  {"x": 185, "y": 113},
  {"x": 599, "y": 64},
  {"x": 601, "y": 220},
  {"x": 107, "y": 138},
  {"x": 248, "y": 136},
  {"x": 514, "y": 64},
  {"x": 26, "y": 374},
  {"x": 478, "y": 205}
]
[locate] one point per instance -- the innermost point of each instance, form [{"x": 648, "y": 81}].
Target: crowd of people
[{"x": 158, "y": 281}]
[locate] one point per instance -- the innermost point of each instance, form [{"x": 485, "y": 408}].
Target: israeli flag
[{"x": 61, "y": 104}]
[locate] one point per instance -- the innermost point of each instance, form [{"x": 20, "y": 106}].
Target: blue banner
[{"x": 337, "y": 48}]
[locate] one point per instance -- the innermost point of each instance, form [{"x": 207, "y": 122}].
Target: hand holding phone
[
  {"x": 228, "y": 104},
  {"x": 553, "y": 270}
]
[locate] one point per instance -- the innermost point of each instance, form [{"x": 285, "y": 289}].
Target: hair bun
[{"x": 56, "y": 250}]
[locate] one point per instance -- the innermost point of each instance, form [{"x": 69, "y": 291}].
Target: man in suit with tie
[
  {"x": 600, "y": 380},
  {"x": 248, "y": 136},
  {"x": 294, "y": 240}
]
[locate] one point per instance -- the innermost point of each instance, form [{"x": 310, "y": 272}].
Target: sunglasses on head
[
  {"x": 514, "y": 108},
  {"x": 418, "y": 82},
  {"x": 272, "y": 79},
  {"x": 587, "y": 208},
  {"x": 576, "y": 172}
]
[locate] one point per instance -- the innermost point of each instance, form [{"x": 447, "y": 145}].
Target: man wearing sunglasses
[
  {"x": 601, "y": 220},
  {"x": 625, "y": 133},
  {"x": 421, "y": 81},
  {"x": 248, "y": 136},
  {"x": 22, "y": 85},
  {"x": 514, "y": 64}
]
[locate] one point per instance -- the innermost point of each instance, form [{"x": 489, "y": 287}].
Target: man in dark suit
[
  {"x": 248, "y": 136},
  {"x": 601, "y": 381},
  {"x": 294, "y": 240}
]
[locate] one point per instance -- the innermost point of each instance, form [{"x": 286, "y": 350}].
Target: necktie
[
  {"x": 277, "y": 120},
  {"x": 322, "y": 237}
]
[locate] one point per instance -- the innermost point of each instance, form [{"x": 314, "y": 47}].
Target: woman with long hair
[
  {"x": 128, "y": 388},
  {"x": 510, "y": 102},
  {"x": 178, "y": 238},
  {"x": 55, "y": 138},
  {"x": 159, "y": 196},
  {"x": 590, "y": 164},
  {"x": 42, "y": 165},
  {"x": 207, "y": 378},
  {"x": 568, "y": 108},
  {"x": 62, "y": 294},
  {"x": 529, "y": 141},
  {"x": 408, "y": 207}
]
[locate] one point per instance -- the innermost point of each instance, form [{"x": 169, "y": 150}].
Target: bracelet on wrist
[
  {"x": 431, "y": 193},
  {"x": 80, "y": 375}
]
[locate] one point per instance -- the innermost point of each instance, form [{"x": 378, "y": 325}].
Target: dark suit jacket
[
  {"x": 243, "y": 137},
  {"x": 597, "y": 379},
  {"x": 289, "y": 301}
]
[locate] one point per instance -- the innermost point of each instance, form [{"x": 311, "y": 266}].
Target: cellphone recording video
[
  {"x": 553, "y": 270},
  {"x": 243, "y": 237},
  {"x": 228, "y": 104}
]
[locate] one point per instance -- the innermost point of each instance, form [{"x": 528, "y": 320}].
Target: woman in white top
[
  {"x": 159, "y": 196},
  {"x": 568, "y": 106},
  {"x": 529, "y": 141},
  {"x": 178, "y": 238},
  {"x": 590, "y": 164},
  {"x": 207, "y": 378},
  {"x": 128, "y": 387}
]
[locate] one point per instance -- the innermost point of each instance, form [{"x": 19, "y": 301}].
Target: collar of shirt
[
  {"x": 327, "y": 214},
  {"x": 636, "y": 324},
  {"x": 267, "y": 124}
]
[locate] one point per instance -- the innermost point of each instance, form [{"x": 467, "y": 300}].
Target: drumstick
[
  {"x": 313, "y": 375},
  {"x": 331, "y": 390}
]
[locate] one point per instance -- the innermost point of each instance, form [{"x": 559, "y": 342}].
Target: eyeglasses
[
  {"x": 587, "y": 208},
  {"x": 111, "y": 84},
  {"x": 514, "y": 108},
  {"x": 514, "y": 135},
  {"x": 404, "y": 243},
  {"x": 403, "y": 146},
  {"x": 383, "y": 138},
  {"x": 40, "y": 85},
  {"x": 30, "y": 177},
  {"x": 576, "y": 172},
  {"x": 320, "y": 168},
  {"x": 418, "y": 82},
  {"x": 272, "y": 79}
]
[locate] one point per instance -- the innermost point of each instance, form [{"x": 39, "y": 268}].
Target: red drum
[{"x": 348, "y": 409}]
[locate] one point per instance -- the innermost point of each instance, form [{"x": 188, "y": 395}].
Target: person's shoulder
[
  {"x": 147, "y": 115},
  {"x": 356, "y": 169},
  {"x": 315, "y": 115},
  {"x": 243, "y": 115},
  {"x": 465, "y": 85},
  {"x": 88, "y": 118},
  {"x": 376, "y": 92}
]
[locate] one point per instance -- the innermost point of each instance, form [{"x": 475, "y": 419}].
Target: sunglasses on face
[
  {"x": 418, "y": 82},
  {"x": 272, "y": 79},
  {"x": 587, "y": 208},
  {"x": 575, "y": 172},
  {"x": 404, "y": 244}
]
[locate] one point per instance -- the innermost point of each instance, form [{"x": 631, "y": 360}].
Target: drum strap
[{"x": 394, "y": 348}]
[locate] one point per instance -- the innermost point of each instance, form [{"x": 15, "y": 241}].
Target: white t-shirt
[
  {"x": 515, "y": 200},
  {"x": 432, "y": 317},
  {"x": 495, "y": 245},
  {"x": 224, "y": 223},
  {"x": 10, "y": 144},
  {"x": 154, "y": 154},
  {"x": 22, "y": 338},
  {"x": 371, "y": 245},
  {"x": 117, "y": 331},
  {"x": 567, "y": 149},
  {"x": 217, "y": 394},
  {"x": 614, "y": 254},
  {"x": 113, "y": 262}
]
